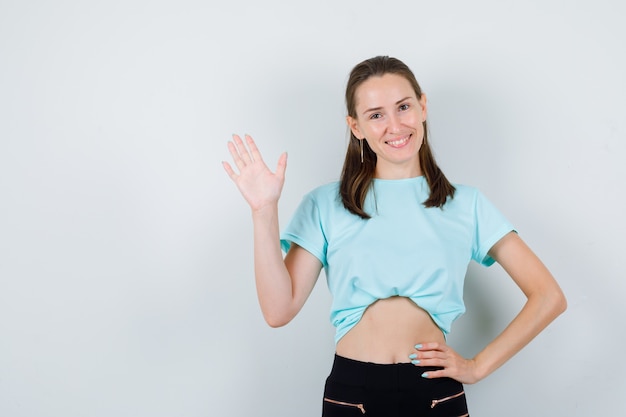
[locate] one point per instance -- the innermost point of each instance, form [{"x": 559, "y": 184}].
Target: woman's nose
[{"x": 394, "y": 123}]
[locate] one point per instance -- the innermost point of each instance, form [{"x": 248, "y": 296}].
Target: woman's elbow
[
  {"x": 276, "y": 320},
  {"x": 557, "y": 302},
  {"x": 560, "y": 303}
]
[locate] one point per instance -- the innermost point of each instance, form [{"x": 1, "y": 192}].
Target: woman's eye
[
  {"x": 404, "y": 107},
  {"x": 376, "y": 116}
]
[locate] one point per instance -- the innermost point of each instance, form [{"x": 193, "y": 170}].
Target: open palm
[{"x": 258, "y": 185}]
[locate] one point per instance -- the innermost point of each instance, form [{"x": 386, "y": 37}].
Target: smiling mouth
[{"x": 398, "y": 142}]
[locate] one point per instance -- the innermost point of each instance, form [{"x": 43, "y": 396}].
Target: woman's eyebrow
[{"x": 380, "y": 107}]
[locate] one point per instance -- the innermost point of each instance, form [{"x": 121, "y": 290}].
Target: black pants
[{"x": 356, "y": 388}]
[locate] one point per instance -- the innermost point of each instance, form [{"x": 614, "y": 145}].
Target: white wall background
[{"x": 126, "y": 283}]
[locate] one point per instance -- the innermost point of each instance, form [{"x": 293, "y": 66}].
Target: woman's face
[{"x": 390, "y": 117}]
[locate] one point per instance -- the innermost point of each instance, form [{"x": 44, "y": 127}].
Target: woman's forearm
[
  {"x": 538, "y": 312},
  {"x": 545, "y": 301},
  {"x": 273, "y": 282}
]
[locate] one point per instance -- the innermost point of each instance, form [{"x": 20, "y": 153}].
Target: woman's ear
[
  {"x": 354, "y": 127},
  {"x": 424, "y": 106}
]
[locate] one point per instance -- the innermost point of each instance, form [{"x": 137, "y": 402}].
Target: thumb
[{"x": 281, "y": 167}]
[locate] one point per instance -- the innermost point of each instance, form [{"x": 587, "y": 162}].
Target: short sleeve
[
  {"x": 305, "y": 229},
  {"x": 489, "y": 227}
]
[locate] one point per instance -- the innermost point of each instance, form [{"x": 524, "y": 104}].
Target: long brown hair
[{"x": 357, "y": 176}]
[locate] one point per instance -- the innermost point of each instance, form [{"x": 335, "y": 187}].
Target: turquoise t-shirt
[{"x": 404, "y": 249}]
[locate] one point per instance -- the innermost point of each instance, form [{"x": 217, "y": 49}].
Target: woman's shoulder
[
  {"x": 325, "y": 192},
  {"x": 469, "y": 197},
  {"x": 325, "y": 197},
  {"x": 465, "y": 189},
  {"x": 464, "y": 195}
]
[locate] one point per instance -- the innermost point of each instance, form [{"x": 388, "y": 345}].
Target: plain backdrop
[{"x": 126, "y": 277}]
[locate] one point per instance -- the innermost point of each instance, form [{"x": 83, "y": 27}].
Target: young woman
[{"x": 395, "y": 239}]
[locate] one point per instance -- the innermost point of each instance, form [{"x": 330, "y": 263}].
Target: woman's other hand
[
  {"x": 441, "y": 355},
  {"x": 258, "y": 185}
]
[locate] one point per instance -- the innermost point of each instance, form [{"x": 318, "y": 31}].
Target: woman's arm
[
  {"x": 283, "y": 285},
  {"x": 545, "y": 301}
]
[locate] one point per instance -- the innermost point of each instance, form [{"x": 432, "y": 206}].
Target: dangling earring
[{"x": 361, "y": 149}]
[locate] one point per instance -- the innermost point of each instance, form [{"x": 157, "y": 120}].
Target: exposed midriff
[{"x": 388, "y": 331}]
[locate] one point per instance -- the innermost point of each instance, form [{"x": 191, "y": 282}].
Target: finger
[
  {"x": 229, "y": 170},
  {"x": 281, "y": 167},
  {"x": 434, "y": 346},
  {"x": 432, "y": 355},
  {"x": 232, "y": 148},
  {"x": 242, "y": 150},
  {"x": 434, "y": 374},
  {"x": 254, "y": 151},
  {"x": 235, "y": 139},
  {"x": 429, "y": 347}
]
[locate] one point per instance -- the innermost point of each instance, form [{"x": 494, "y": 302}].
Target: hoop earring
[{"x": 361, "y": 140}]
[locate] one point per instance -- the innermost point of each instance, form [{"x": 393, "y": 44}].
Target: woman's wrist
[{"x": 267, "y": 210}]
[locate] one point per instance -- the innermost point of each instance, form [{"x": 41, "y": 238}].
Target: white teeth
[{"x": 398, "y": 142}]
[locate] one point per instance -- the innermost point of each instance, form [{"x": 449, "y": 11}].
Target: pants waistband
[{"x": 375, "y": 375}]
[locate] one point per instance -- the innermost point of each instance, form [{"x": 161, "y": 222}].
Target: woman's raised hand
[{"x": 258, "y": 185}]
